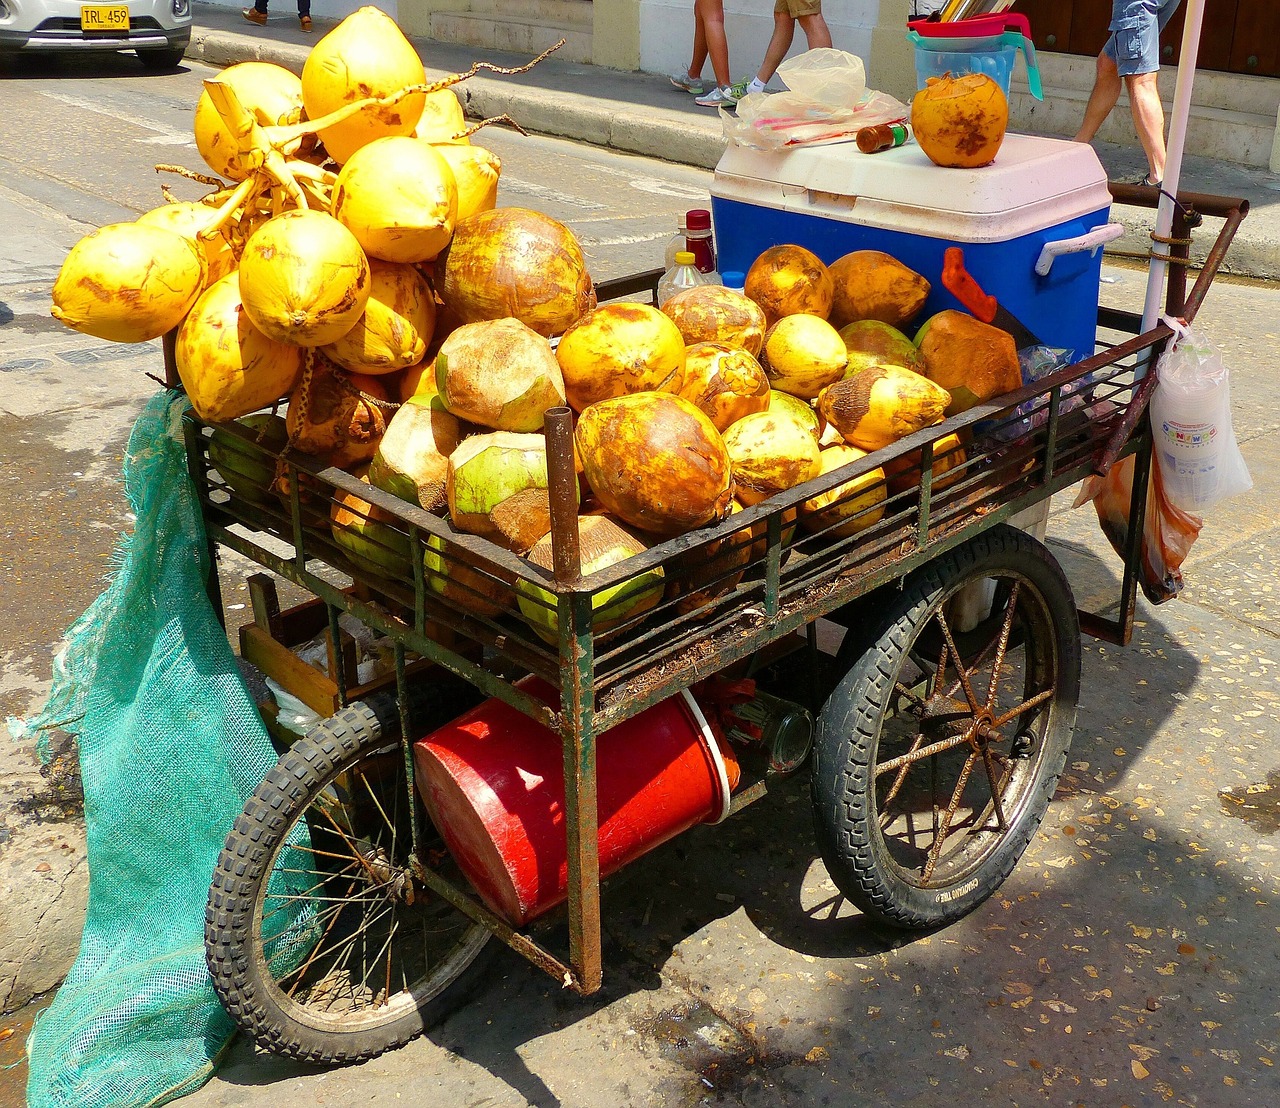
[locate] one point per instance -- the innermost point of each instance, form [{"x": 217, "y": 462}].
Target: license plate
[{"x": 97, "y": 18}]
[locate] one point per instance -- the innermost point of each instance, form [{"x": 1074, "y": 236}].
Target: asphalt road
[{"x": 1129, "y": 959}]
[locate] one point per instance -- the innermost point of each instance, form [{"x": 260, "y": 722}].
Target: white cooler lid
[{"x": 1033, "y": 184}]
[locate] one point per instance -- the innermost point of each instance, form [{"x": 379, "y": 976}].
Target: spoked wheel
[
  {"x": 322, "y": 940},
  {"x": 939, "y": 751}
]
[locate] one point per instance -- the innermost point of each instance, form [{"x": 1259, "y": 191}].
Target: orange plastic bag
[{"x": 1167, "y": 531}]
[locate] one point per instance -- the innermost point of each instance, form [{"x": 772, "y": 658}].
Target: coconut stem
[
  {"x": 504, "y": 118},
  {"x": 192, "y": 175}
]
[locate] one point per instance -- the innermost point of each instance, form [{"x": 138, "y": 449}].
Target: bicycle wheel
[
  {"x": 938, "y": 753},
  {"x": 322, "y": 942}
]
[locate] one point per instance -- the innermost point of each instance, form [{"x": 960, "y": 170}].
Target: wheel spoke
[
  {"x": 1002, "y": 641},
  {"x": 996, "y": 789},
  {"x": 1024, "y": 707},
  {"x": 935, "y": 851},
  {"x": 954, "y": 651},
  {"x": 923, "y": 752}
]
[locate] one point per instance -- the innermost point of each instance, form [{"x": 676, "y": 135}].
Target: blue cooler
[{"x": 1031, "y": 224}]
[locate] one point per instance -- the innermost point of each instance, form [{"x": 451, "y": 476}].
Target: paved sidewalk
[{"x": 640, "y": 113}]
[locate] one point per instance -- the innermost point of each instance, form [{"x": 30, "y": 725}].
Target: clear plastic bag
[
  {"x": 833, "y": 77},
  {"x": 1194, "y": 441}
]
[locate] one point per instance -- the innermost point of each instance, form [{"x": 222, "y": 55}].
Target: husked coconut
[
  {"x": 802, "y": 355},
  {"x": 788, "y": 279},
  {"x": 602, "y": 542},
  {"x": 466, "y": 581},
  {"x": 725, "y": 382},
  {"x": 713, "y": 313},
  {"x": 882, "y": 404},
  {"x": 370, "y": 536},
  {"x": 499, "y": 373},
  {"x": 850, "y": 507},
  {"x": 970, "y": 359},
  {"x": 497, "y": 487},
  {"x": 870, "y": 284},
  {"x": 770, "y": 453},
  {"x": 655, "y": 461},
  {"x": 228, "y": 367},
  {"x": 617, "y": 349},
  {"x": 412, "y": 461}
]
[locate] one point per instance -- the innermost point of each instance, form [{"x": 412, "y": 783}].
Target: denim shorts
[{"x": 1134, "y": 44}]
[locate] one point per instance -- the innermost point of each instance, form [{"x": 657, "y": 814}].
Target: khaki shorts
[{"x": 797, "y": 8}]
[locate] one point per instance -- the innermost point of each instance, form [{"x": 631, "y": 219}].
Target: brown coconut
[
  {"x": 655, "y": 461},
  {"x": 724, "y": 381},
  {"x": 850, "y": 507},
  {"x": 870, "y": 284},
  {"x": 499, "y": 373},
  {"x": 602, "y": 542},
  {"x": 412, "y": 460},
  {"x": 515, "y": 262},
  {"x": 882, "y": 404},
  {"x": 770, "y": 453},
  {"x": 497, "y": 488},
  {"x": 970, "y": 359},
  {"x": 336, "y": 414},
  {"x": 788, "y": 279},
  {"x": 617, "y": 349},
  {"x": 713, "y": 313}
]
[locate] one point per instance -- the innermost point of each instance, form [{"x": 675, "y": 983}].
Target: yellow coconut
[
  {"x": 475, "y": 171},
  {"x": 850, "y": 507},
  {"x": 800, "y": 410},
  {"x": 304, "y": 279},
  {"x": 335, "y": 414},
  {"x": 788, "y": 279},
  {"x": 398, "y": 319},
  {"x": 882, "y": 404},
  {"x": 189, "y": 220},
  {"x": 696, "y": 577},
  {"x": 724, "y": 381},
  {"x": 770, "y": 452},
  {"x": 128, "y": 282},
  {"x": 960, "y": 122},
  {"x": 602, "y": 542},
  {"x": 228, "y": 367},
  {"x": 802, "y": 355},
  {"x": 270, "y": 93},
  {"x": 515, "y": 262},
  {"x": 948, "y": 461},
  {"x": 398, "y": 197},
  {"x": 655, "y": 461},
  {"x": 618, "y": 349},
  {"x": 713, "y": 313},
  {"x": 366, "y": 55},
  {"x": 499, "y": 373},
  {"x": 442, "y": 118}
]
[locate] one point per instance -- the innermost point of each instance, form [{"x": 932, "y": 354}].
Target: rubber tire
[
  {"x": 845, "y": 817},
  {"x": 274, "y": 808},
  {"x": 161, "y": 59}
]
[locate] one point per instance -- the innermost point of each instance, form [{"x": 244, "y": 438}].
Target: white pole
[{"x": 1153, "y": 308}]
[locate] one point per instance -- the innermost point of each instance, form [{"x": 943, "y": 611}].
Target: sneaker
[
  {"x": 305, "y": 20},
  {"x": 1146, "y": 180},
  {"x": 255, "y": 16},
  {"x": 682, "y": 80},
  {"x": 718, "y": 98}
]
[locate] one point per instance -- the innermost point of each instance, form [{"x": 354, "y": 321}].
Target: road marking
[
  {"x": 622, "y": 240},
  {"x": 168, "y": 137},
  {"x": 544, "y": 193}
]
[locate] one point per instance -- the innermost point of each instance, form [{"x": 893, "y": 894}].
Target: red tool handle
[{"x": 960, "y": 283}]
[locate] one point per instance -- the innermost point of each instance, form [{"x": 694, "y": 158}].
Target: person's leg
[
  {"x": 816, "y": 32},
  {"x": 712, "y": 15},
  {"x": 784, "y": 29},
  {"x": 1148, "y": 120},
  {"x": 304, "y": 14},
  {"x": 1106, "y": 91}
]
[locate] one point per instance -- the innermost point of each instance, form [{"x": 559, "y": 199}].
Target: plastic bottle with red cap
[{"x": 699, "y": 242}]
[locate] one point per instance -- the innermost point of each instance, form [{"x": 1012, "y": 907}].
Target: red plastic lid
[
  {"x": 698, "y": 220},
  {"x": 980, "y": 26}
]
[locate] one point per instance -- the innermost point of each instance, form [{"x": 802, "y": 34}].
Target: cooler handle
[{"x": 1090, "y": 241}]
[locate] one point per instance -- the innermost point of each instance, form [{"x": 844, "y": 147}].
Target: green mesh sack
[{"x": 170, "y": 745}]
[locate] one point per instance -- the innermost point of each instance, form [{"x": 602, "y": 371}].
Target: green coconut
[
  {"x": 870, "y": 342},
  {"x": 248, "y": 469},
  {"x": 412, "y": 461},
  {"x": 499, "y": 373},
  {"x": 457, "y": 577},
  {"x": 497, "y": 488},
  {"x": 370, "y": 536},
  {"x": 602, "y": 542}
]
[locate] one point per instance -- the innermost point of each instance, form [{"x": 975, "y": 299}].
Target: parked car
[{"x": 158, "y": 30}]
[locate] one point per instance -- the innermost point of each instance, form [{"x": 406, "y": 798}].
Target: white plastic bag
[
  {"x": 832, "y": 77},
  {"x": 1195, "y": 443}
]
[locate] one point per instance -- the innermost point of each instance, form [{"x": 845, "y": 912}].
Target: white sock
[{"x": 756, "y": 85}]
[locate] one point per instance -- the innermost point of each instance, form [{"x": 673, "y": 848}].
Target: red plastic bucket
[{"x": 493, "y": 783}]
